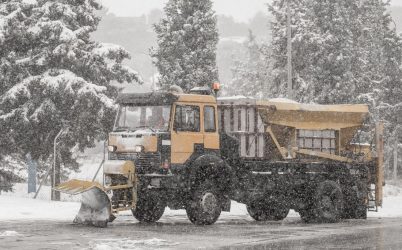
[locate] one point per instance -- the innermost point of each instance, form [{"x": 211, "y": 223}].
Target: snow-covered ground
[{"x": 20, "y": 206}]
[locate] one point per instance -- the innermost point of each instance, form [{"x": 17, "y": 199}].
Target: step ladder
[{"x": 372, "y": 204}]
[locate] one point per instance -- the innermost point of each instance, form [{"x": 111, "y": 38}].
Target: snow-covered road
[
  {"x": 35, "y": 224},
  {"x": 20, "y": 206},
  {"x": 175, "y": 232}
]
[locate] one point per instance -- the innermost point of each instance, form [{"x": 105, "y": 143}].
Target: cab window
[
  {"x": 209, "y": 119},
  {"x": 187, "y": 118}
]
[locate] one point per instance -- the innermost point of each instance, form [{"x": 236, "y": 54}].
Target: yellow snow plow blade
[{"x": 96, "y": 208}]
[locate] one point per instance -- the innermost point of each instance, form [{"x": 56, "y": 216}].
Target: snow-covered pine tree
[
  {"x": 53, "y": 77},
  {"x": 337, "y": 55},
  {"x": 278, "y": 86},
  {"x": 385, "y": 63},
  {"x": 251, "y": 75},
  {"x": 186, "y": 44},
  {"x": 12, "y": 21}
]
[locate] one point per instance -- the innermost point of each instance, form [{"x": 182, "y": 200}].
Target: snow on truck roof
[
  {"x": 288, "y": 104},
  {"x": 285, "y": 112}
]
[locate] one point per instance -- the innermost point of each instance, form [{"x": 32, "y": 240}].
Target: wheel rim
[
  {"x": 208, "y": 202},
  {"x": 257, "y": 211},
  {"x": 327, "y": 205},
  {"x": 329, "y": 202}
]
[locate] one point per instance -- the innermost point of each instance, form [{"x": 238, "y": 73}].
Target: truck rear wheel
[
  {"x": 355, "y": 201},
  {"x": 150, "y": 208},
  {"x": 263, "y": 210},
  {"x": 205, "y": 207},
  {"x": 328, "y": 203},
  {"x": 307, "y": 215}
]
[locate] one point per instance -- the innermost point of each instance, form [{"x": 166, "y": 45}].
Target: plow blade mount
[{"x": 95, "y": 208}]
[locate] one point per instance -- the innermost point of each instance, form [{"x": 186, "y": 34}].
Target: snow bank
[
  {"x": 129, "y": 244},
  {"x": 15, "y": 208},
  {"x": 392, "y": 203},
  {"x": 19, "y": 206},
  {"x": 9, "y": 234}
]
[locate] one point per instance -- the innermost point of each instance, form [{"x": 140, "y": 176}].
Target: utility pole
[
  {"x": 289, "y": 48},
  {"x": 55, "y": 195}
]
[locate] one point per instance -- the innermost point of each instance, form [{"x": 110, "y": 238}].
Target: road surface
[{"x": 176, "y": 232}]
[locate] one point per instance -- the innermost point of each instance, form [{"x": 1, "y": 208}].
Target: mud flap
[{"x": 95, "y": 203}]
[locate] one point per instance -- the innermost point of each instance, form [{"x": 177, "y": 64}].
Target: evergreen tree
[
  {"x": 278, "y": 86},
  {"x": 53, "y": 77},
  {"x": 250, "y": 76},
  {"x": 338, "y": 49},
  {"x": 187, "y": 38}
]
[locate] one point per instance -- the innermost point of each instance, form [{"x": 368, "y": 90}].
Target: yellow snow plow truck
[{"x": 196, "y": 152}]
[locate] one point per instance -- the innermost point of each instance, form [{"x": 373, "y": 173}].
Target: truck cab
[{"x": 173, "y": 141}]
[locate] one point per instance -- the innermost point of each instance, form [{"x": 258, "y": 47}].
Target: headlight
[
  {"x": 111, "y": 148},
  {"x": 139, "y": 148}
]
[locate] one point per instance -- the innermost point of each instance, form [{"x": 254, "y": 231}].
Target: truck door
[
  {"x": 186, "y": 135},
  {"x": 211, "y": 135}
]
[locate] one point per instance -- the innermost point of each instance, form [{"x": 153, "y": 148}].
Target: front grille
[
  {"x": 148, "y": 160},
  {"x": 123, "y": 156},
  {"x": 144, "y": 162}
]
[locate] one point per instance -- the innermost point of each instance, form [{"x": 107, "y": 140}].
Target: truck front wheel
[
  {"x": 262, "y": 210},
  {"x": 204, "y": 208},
  {"x": 150, "y": 208}
]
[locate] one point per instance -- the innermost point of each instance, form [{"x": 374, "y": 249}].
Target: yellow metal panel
[
  {"x": 150, "y": 143},
  {"x": 182, "y": 145},
  {"x": 118, "y": 167},
  {"x": 353, "y": 108},
  {"x": 211, "y": 139},
  {"x": 74, "y": 186},
  {"x": 281, "y": 149},
  {"x": 365, "y": 149},
  {"x": 346, "y": 136},
  {"x": 304, "y": 116},
  {"x": 180, "y": 157},
  {"x": 323, "y": 155}
]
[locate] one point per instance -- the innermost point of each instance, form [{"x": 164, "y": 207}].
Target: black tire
[
  {"x": 263, "y": 210},
  {"x": 307, "y": 215},
  {"x": 355, "y": 201},
  {"x": 204, "y": 208},
  {"x": 150, "y": 208},
  {"x": 101, "y": 224},
  {"x": 328, "y": 204}
]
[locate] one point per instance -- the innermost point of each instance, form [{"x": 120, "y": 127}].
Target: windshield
[{"x": 154, "y": 118}]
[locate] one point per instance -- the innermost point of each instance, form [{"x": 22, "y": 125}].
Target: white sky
[{"x": 241, "y": 10}]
